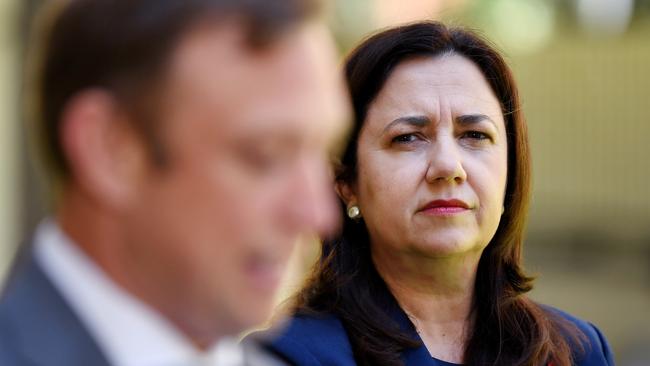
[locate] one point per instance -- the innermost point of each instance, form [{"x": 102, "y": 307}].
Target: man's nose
[{"x": 314, "y": 203}]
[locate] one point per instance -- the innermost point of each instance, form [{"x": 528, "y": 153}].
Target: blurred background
[{"x": 583, "y": 68}]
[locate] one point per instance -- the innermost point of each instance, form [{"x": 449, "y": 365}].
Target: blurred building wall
[
  {"x": 586, "y": 100},
  {"x": 9, "y": 131}
]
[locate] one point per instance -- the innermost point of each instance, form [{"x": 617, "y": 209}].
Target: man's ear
[
  {"x": 346, "y": 192},
  {"x": 104, "y": 154}
]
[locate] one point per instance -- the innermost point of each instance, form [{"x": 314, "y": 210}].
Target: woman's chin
[{"x": 448, "y": 246}]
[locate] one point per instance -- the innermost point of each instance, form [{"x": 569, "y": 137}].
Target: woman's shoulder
[
  {"x": 314, "y": 339},
  {"x": 593, "y": 349}
]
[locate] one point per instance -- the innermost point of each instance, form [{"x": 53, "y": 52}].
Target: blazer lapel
[{"x": 44, "y": 329}]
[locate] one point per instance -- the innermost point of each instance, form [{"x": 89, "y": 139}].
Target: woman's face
[{"x": 432, "y": 159}]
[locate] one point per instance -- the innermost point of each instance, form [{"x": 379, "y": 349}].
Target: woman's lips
[{"x": 445, "y": 207}]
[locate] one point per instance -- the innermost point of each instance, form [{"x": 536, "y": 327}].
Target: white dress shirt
[{"x": 128, "y": 331}]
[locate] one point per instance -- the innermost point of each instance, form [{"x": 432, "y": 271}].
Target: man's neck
[{"x": 98, "y": 236}]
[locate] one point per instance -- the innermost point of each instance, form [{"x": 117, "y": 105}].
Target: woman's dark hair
[{"x": 508, "y": 328}]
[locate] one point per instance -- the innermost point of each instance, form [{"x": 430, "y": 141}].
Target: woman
[{"x": 435, "y": 182}]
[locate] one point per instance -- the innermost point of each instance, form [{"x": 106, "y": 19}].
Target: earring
[
  {"x": 353, "y": 212},
  {"x": 503, "y": 209}
]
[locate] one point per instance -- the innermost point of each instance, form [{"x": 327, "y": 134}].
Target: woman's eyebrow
[
  {"x": 417, "y": 121},
  {"x": 471, "y": 119},
  {"x": 423, "y": 121}
]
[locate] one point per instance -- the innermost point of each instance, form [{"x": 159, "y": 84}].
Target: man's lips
[
  {"x": 442, "y": 207},
  {"x": 264, "y": 272}
]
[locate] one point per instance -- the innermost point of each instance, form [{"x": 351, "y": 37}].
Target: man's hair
[{"x": 122, "y": 46}]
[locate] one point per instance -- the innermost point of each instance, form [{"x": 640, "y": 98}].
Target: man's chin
[
  {"x": 252, "y": 303},
  {"x": 254, "y": 318}
]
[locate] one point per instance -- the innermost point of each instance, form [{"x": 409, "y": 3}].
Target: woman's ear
[{"x": 345, "y": 192}]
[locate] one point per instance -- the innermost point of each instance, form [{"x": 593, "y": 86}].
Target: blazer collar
[
  {"x": 45, "y": 330},
  {"x": 416, "y": 356}
]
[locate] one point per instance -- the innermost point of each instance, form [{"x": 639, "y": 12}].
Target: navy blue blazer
[
  {"x": 37, "y": 327},
  {"x": 322, "y": 341}
]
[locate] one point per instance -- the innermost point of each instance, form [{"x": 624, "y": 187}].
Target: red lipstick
[{"x": 445, "y": 207}]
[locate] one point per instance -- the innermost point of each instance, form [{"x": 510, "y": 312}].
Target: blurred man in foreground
[{"x": 188, "y": 140}]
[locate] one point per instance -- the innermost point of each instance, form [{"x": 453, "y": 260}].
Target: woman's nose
[{"x": 445, "y": 162}]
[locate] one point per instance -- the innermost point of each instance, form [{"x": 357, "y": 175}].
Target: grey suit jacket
[{"x": 38, "y": 327}]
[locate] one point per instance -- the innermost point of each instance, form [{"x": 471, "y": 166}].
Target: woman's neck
[{"x": 435, "y": 293}]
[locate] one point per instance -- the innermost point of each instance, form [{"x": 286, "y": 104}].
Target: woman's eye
[
  {"x": 476, "y": 135},
  {"x": 406, "y": 138}
]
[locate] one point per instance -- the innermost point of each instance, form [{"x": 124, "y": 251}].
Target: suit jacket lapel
[{"x": 44, "y": 328}]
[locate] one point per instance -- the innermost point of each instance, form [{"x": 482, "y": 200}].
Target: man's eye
[{"x": 259, "y": 160}]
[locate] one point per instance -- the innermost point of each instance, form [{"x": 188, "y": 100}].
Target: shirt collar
[{"x": 129, "y": 331}]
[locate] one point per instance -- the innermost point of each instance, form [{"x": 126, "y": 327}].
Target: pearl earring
[{"x": 353, "y": 212}]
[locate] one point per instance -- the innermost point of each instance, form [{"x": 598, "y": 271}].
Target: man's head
[{"x": 190, "y": 139}]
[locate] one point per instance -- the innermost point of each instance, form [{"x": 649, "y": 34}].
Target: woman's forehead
[
  {"x": 448, "y": 85},
  {"x": 444, "y": 74}
]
